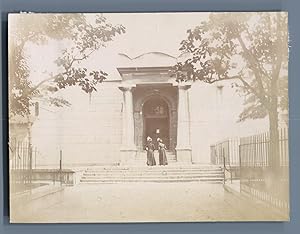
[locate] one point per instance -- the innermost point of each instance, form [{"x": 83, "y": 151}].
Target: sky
[
  {"x": 151, "y": 32},
  {"x": 145, "y": 32}
]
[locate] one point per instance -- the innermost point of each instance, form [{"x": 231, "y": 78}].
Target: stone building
[{"x": 139, "y": 99}]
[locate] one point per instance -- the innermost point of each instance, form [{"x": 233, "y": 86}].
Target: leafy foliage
[
  {"x": 251, "y": 49},
  {"x": 85, "y": 35}
]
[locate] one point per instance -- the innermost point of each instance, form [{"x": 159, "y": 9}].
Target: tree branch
[
  {"x": 211, "y": 81},
  {"x": 42, "y": 82},
  {"x": 262, "y": 98},
  {"x": 253, "y": 64},
  {"x": 84, "y": 57},
  {"x": 53, "y": 77}
]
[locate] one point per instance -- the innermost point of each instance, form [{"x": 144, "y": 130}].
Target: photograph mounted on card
[{"x": 148, "y": 117}]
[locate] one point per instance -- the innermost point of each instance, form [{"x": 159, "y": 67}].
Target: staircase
[
  {"x": 141, "y": 158},
  {"x": 173, "y": 172}
]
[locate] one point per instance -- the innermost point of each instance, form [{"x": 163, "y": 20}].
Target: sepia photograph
[{"x": 148, "y": 117}]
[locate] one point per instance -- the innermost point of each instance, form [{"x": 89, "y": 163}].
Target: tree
[
  {"x": 251, "y": 49},
  {"x": 85, "y": 36}
]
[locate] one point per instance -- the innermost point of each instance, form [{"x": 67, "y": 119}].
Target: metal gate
[{"x": 20, "y": 165}]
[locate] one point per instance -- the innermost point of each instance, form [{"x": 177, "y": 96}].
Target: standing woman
[
  {"x": 150, "y": 152},
  {"x": 162, "y": 153}
]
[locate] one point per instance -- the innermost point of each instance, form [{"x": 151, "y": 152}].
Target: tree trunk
[{"x": 274, "y": 156}]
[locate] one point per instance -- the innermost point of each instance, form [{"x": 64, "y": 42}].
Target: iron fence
[
  {"x": 226, "y": 154},
  {"x": 22, "y": 158},
  {"x": 249, "y": 159},
  {"x": 258, "y": 177},
  {"x": 24, "y": 174}
]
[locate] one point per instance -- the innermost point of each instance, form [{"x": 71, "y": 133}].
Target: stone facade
[
  {"x": 110, "y": 126},
  {"x": 89, "y": 132}
]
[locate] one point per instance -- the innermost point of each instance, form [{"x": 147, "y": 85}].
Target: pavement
[{"x": 149, "y": 202}]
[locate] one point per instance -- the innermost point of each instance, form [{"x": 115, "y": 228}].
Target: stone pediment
[
  {"x": 152, "y": 67},
  {"x": 151, "y": 59}
]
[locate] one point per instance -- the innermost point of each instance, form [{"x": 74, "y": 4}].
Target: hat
[
  {"x": 159, "y": 140},
  {"x": 149, "y": 138}
]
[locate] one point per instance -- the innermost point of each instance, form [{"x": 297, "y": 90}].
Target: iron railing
[
  {"x": 226, "y": 155},
  {"x": 249, "y": 159},
  {"x": 258, "y": 177},
  {"x": 24, "y": 174},
  {"x": 21, "y": 160}
]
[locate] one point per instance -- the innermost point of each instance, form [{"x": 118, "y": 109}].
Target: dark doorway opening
[{"x": 156, "y": 120}]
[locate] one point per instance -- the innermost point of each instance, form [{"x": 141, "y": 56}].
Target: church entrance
[
  {"x": 155, "y": 114},
  {"x": 156, "y": 120},
  {"x": 154, "y": 105}
]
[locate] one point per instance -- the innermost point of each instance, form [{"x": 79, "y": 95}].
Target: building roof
[{"x": 149, "y": 59}]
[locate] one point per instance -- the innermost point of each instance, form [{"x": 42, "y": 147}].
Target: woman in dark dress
[
  {"x": 162, "y": 152},
  {"x": 150, "y": 152}
]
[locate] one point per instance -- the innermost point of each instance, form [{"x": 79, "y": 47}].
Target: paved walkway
[{"x": 152, "y": 202}]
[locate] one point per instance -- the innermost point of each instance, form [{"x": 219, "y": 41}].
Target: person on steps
[
  {"x": 162, "y": 152},
  {"x": 150, "y": 152}
]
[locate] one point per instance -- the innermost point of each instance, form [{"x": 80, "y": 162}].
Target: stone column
[
  {"x": 128, "y": 149},
  {"x": 183, "y": 148}
]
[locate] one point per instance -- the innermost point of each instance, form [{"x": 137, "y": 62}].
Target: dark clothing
[
  {"x": 162, "y": 154},
  {"x": 150, "y": 154}
]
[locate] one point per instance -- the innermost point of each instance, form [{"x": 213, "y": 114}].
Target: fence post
[
  {"x": 35, "y": 158},
  {"x": 224, "y": 165},
  {"x": 30, "y": 167},
  {"x": 240, "y": 164},
  {"x": 60, "y": 166},
  {"x": 229, "y": 160}
]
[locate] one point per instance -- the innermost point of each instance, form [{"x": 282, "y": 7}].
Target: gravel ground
[{"x": 149, "y": 202}]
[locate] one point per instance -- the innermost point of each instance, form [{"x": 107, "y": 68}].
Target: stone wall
[
  {"x": 88, "y": 132},
  {"x": 214, "y": 117}
]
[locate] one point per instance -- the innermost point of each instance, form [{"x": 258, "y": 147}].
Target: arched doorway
[
  {"x": 156, "y": 120},
  {"x": 144, "y": 99}
]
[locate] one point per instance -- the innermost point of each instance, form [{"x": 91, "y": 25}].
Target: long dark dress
[
  {"x": 162, "y": 154},
  {"x": 150, "y": 154}
]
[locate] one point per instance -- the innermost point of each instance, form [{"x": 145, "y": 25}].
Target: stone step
[
  {"x": 145, "y": 152},
  {"x": 94, "y": 173},
  {"x": 149, "y": 174},
  {"x": 152, "y": 172},
  {"x": 156, "y": 159},
  {"x": 114, "y": 178},
  {"x": 155, "y": 153},
  {"x": 153, "y": 169},
  {"x": 177, "y": 166},
  {"x": 144, "y": 162},
  {"x": 160, "y": 174},
  {"x": 157, "y": 180},
  {"x": 183, "y": 171}
]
